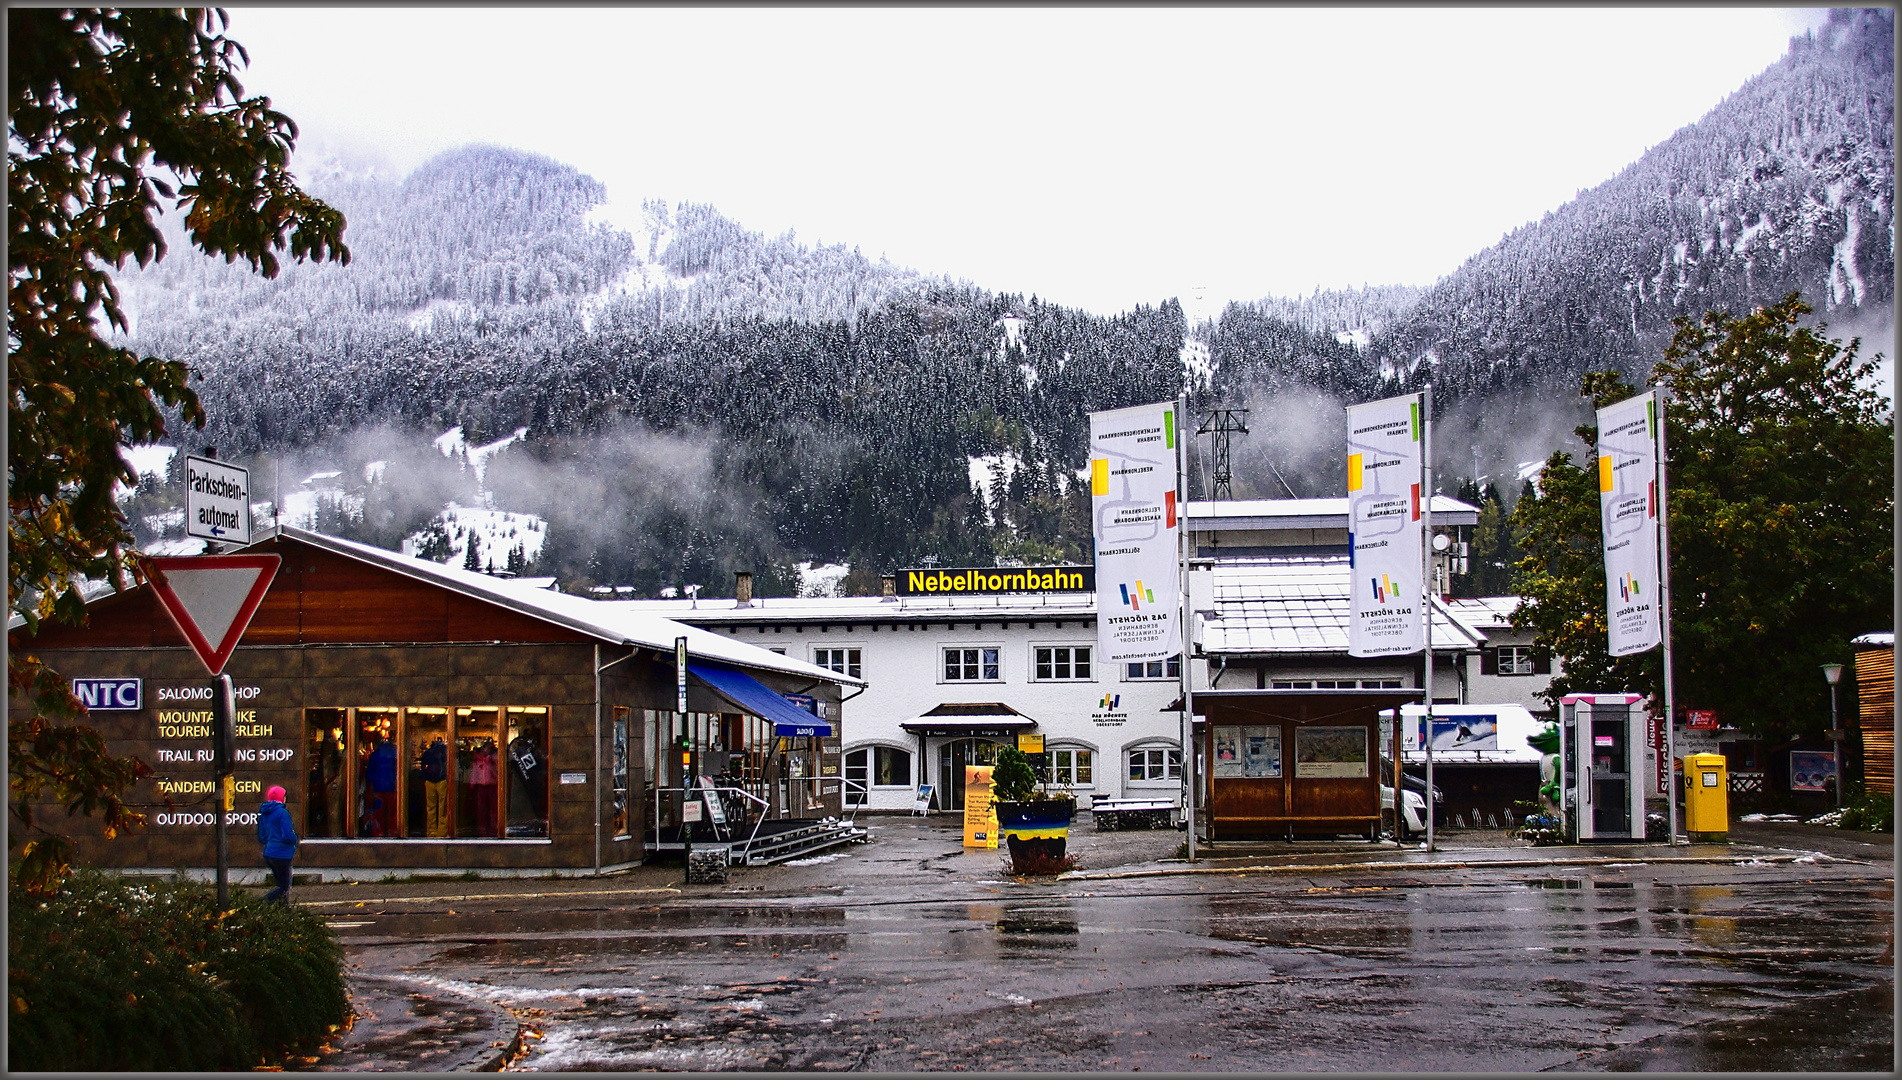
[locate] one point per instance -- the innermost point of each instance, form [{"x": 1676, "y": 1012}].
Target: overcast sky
[{"x": 1099, "y": 158}]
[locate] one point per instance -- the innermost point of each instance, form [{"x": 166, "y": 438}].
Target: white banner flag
[
  {"x": 1133, "y": 520},
  {"x": 1628, "y": 510},
  {"x": 1384, "y": 540}
]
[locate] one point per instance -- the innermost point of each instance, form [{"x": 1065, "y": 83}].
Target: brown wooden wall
[
  {"x": 1875, "y": 691},
  {"x": 1266, "y": 806}
]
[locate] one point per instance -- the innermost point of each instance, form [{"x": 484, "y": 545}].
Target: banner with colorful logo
[
  {"x": 1385, "y": 539},
  {"x": 1133, "y": 517},
  {"x": 1628, "y": 510}
]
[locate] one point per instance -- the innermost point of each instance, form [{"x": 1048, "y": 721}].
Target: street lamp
[{"x": 1833, "y": 674}]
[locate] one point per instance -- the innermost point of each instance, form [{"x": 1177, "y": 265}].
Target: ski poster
[
  {"x": 1385, "y": 533},
  {"x": 1134, "y": 521}
]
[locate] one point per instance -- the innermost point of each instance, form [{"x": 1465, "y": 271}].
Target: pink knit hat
[{"x": 276, "y": 794}]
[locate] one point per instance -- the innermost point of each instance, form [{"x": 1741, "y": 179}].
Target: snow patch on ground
[
  {"x": 1196, "y": 368},
  {"x": 452, "y": 442},
  {"x": 992, "y": 468},
  {"x": 823, "y": 580},
  {"x": 815, "y": 860},
  {"x": 421, "y": 322},
  {"x": 1358, "y": 337},
  {"x": 494, "y": 533}
]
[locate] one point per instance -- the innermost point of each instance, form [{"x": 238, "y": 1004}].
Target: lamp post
[{"x": 1833, "y": 674}]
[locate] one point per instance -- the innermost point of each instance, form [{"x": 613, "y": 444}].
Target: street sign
[
  {"x": 217, "y": 501},
  {"x": 211, "y": 598}
]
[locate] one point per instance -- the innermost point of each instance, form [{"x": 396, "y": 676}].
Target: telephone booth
[{"x": 1601, "y": 738}]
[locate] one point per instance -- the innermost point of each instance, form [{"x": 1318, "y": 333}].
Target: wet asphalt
[{"x": 911, "y": 953}]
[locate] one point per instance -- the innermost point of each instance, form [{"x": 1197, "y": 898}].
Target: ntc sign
[
  {"x": 992, "y": 580},
  {"x": 104, "y": 695}
]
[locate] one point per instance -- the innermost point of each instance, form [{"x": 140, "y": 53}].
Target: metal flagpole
[
  {"x": 1426, "y": 589},
  {"x": 1182, "y": 548},
  {"x": 1664, "y": 616}
]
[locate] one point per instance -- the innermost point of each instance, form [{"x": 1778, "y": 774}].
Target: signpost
[
  {"x": 217, "y": 501},
  {"x": 212, "y": 598}
]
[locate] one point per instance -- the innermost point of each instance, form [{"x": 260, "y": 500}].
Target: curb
[{"x": 1475, "y": 864}]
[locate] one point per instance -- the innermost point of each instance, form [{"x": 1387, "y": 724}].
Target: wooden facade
[
  {"x": 344, "y": 654},
  {"x": 1291, "y": 762},
  {"x": 1875, "y": 694}
]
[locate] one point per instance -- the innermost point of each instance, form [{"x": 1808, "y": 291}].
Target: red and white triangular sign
[{"x": 212, "y": 598}]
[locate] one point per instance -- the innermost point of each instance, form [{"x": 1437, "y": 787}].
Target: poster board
[
  {"x": 1330, "y": 753},
  {"x": 980, "y": 815},
  {"x": 1261, "y": 752},
  {"x": 1812, "y": 770}
]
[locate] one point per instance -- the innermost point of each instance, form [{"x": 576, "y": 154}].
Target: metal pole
[
  {"x": 1188, "y": 637},
  {"x": 1836, "y": 742},
  {"x": 223, "y": 708},
  {"x": 1426, "y": 582},
  {"x": 1664, "y": 614}
]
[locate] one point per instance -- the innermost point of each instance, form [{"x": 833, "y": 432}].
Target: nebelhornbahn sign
[{"x": 993, "y": 580}]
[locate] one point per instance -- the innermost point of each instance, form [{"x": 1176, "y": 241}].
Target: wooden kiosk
[{"x": 1284, "y": 762}]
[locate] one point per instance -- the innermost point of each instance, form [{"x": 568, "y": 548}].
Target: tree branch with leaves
[{"x": 108, "y": 113}]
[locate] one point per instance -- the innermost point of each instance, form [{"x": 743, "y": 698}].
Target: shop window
[
  {"x": 971, "y": 665},
  {"x": 324, "y": 796},
  {"x": 1153, "y": 669},
  {"x": 843, "y": 661},
  {"x": 618, "y": 769},
  {"x": 377, "y": 771},
  {"x": 891, "y": 767},
  {"x": 527, "y": 789},
  {"x": 478, "y": 771},
  {"x": 1067, "y": 767},
  {"x": 1060, "y": 662},
  {"x": 426, "y": 742},
  {"x": 1150, "y": 764}
]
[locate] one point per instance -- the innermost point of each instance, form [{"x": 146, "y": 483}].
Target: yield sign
[{"x": 212, "y": 598}]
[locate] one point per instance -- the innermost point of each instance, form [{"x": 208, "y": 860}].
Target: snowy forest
[{"x": 673, "y": 404}]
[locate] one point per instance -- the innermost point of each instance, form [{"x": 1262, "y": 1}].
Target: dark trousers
[{"x": 281, "y": 871}]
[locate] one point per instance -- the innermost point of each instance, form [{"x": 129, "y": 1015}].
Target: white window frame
[
  {"x": 996, "y": 650},
  {"x": 1167, "y": 675},
  {"x": 1522, "y": 660},
  {"x": 871, "y": 751},
  {"x": 1171, "y": 771},
  {"x": 1036, "y": 663},
  {"x": 1072, "y": 749},
  {"x": 851, "y": 662}
]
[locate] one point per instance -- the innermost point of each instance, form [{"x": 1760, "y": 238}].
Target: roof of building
[
  {"x": 1484, "y": 612},
  {"x": 1299, "y": 604},
  {"x": 608, "y": 621},
  {"x": 1328, "y": 513},
  {"x": 867, "y": 609},
  {"x": 1882, "y": 639}
]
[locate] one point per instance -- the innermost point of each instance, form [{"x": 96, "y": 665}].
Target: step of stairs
[{"x": 791, "y": 844}]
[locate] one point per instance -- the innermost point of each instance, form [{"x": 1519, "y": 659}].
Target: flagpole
[
  {"x": 1182, "y": 547},
  {"x": 1426, "y": 582},
  {"x": 1664, "y": 626}
]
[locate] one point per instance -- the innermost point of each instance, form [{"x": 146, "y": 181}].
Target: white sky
[{"x": 1099, "y": 158}]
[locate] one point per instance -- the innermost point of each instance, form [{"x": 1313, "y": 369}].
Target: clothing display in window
[{"x": 435, "y": 773}]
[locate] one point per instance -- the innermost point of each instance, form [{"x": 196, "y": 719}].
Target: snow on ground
[
  {"x": 494, "y": 533},
  {"x": 452, "y": 442},
  {"x": 1196, "y": 367},
  {"x": 991, "y": 467},
  {"x": 822, "y": 580}
]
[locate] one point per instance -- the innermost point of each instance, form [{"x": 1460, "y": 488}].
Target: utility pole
[{"x": 1219, "y": 426}]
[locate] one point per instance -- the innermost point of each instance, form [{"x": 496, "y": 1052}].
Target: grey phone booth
[{"x": 1601, "y": 738}]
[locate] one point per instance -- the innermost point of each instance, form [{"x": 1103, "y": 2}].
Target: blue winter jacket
[{"x": 275, "y": 831}]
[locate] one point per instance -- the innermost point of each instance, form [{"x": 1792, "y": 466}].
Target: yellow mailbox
[{"x": 1706, "y": 798}]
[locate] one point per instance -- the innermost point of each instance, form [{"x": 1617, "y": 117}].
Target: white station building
[{"x": 951, "y": 678}]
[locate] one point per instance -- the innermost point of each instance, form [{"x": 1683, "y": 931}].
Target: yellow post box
[{"x": 1706, "y": 799}]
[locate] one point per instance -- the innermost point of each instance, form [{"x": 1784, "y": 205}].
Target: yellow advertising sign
[
  {"x": 980, "y": 816},
  {"x": 1030, "y": 742}
]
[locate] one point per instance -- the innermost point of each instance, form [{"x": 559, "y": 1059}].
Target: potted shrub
[{"x": 1034, "y": 821}]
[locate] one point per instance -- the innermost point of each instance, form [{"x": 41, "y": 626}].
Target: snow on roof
[
  {"x": 1882, "y": 639},
  {"x": 608, "y": 621},
  {"x": 1298, "y": 604},
  {"x": 795, "y": 609},
  {"x": 1484, "y": 612}
]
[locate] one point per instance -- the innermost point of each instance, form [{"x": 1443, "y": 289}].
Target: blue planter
[{"x": 1035, "y": 831}]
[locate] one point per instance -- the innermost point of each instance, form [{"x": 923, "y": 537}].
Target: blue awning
[{"x": 755, "y": 697}]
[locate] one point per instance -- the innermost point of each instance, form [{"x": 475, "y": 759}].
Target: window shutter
[
  {"x": 1489, "y": 661},
  {"x": 1541, "y": 661}
]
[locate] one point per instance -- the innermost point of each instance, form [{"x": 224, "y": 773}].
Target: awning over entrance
[
  {"x": 971, "y": 718},
  {"x": 755, "y": 697}
]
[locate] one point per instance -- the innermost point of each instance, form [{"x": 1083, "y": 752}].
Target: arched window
[
  {"x": 1069, "y": 766},
  {"x": 1153, "y": 763}
]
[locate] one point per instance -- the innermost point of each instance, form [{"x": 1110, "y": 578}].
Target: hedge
[{"x": 127, "y": 974}]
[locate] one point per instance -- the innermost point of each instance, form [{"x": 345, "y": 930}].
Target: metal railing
[{"x": 720, "y": 829}]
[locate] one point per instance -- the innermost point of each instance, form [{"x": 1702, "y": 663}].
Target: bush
[
  {"x": 1869, "y": 813},
  {"x": 116, "y": 974},
  {"x": 1012, "y": 778}
]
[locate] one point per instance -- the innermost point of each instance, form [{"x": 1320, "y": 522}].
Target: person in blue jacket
[{"x": 279, "y": 839}]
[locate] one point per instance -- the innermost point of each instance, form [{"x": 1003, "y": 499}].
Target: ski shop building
[{"x": 422, "y": 716}]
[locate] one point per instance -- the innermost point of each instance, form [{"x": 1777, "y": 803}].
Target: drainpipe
[{"x": 599, "y": 667}]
